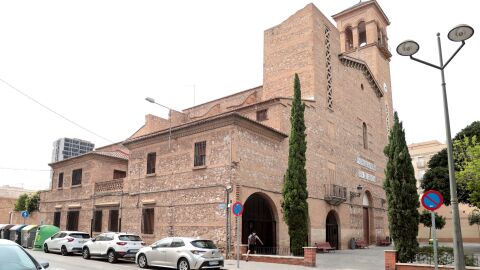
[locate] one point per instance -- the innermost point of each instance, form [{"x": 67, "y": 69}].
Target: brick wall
[
  {"x": 6, "y": 206},
  {"x": 391, "y": 264}
]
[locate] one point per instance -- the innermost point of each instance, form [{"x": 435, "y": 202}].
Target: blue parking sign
[{"x": 25, "y": 214}]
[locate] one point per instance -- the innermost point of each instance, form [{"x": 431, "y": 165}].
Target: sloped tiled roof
[
  {"x": 113, "y": 154},
  {"x": 360, "y": 5}
]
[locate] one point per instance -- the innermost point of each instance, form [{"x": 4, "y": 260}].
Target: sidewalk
[{"x": 232, "y": 265}]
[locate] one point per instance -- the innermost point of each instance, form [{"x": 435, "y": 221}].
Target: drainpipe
[{"x": 10, "y": 217}]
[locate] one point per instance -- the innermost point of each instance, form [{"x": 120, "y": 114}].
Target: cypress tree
[
  {"x": 402, "y": 196},
  {"x": 294, "y": 204}
]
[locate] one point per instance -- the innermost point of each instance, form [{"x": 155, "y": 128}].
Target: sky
[{"x": 94, "y": 62}]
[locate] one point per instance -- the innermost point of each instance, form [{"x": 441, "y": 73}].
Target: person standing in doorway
[{"x": 252, "y": 243}]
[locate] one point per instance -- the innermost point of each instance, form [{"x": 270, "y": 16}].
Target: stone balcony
[
  {"x": 335, "y": 194},
  {"x": 382, "y": 44},
  {"x": 109, "y": 186}
]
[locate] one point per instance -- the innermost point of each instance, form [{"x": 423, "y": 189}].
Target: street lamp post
[
  {"x": 151, "y": 100},
  {"x": 228, "y": 190},
  {"x": 409, "y": 48}
]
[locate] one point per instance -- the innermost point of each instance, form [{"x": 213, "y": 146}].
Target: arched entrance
[
  {"x": 367, "y": 216},
  {"x": 332, "y": 230},
  {"x": 259, "y": 216}
]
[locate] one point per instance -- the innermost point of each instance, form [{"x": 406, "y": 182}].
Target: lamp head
[
  {"x": 149, "y": 99},
  {"x": 408, "y": 48},
  {"x": 228, "y": 188},
  {"x": 460, "y": 32}
]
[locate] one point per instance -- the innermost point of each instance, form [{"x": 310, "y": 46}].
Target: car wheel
[
  {"x": 142, "y": 261},
  {"x": 112, "y": 256},
  {"x": 45, "y": 248},
  {"x": 86, "y": 253},
  {"x": 64, "y": 251},
  {"x": 183, "y": 264}
]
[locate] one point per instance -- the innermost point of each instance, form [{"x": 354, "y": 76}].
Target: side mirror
[
  {"x": 94, "y": 239},
  {"x": 45, "y": 265}
]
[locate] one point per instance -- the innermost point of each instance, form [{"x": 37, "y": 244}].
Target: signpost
[
  {"x": 432, "y": 200},
  {"x": 237, "y": 210},
  {"x": 25, "y": 216}
]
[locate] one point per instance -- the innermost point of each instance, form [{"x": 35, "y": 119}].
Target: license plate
[
  {"x": 133, "y": 251},
  {"x": 213, "y": 263}
]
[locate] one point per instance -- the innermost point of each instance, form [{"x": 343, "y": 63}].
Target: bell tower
[{"x": 363, "y": 35}]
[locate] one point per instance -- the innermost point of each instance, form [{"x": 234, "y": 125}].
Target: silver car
[
  {"x": 14, "y": 257},
  {"x": 181, "y": 253}
]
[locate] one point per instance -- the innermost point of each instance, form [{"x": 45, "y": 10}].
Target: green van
[{"x": 43, "y": 233}]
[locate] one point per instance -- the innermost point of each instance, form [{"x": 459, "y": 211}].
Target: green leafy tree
[
  {"x": 436, "y": 177},
  {"x": 426, "y": 220},
  {"x": 21, "y": 203},
  {"x": 294, "y": 204},
  {"x": 400, "y": 188},
  {"x": 33, "y": 202},
  {"x": 470, "y": 175},
  {"x": 474, "y": 218}
]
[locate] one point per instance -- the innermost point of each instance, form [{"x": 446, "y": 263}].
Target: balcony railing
[
  {"x": 109, "y": 186},
  {"x": 335, "y": 194}
]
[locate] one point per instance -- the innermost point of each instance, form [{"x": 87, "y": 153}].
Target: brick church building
[{"x": 173, "y": 176}]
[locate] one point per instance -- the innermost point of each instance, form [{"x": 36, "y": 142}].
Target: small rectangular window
[
  {"x": 200, "y": 154},
  {"x": 56, "y": 219},
  {"x": 77, "y": 177},
  {"x": 151, "y": 160},
  {"x": 60, "y": 180},
  {"x": 113, "y": 221},
  {"x": 119, "y": 174},
  {"x": 72, "y": 220},
  {"x": 148, "y": 215},
  {"x": 262, "y": 115},
  {"x": 97, "y": 221}
]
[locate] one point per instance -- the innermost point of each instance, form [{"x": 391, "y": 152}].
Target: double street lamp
[
  {"x": 151, "y": 100},
  {"x": 409, "y": 48}
]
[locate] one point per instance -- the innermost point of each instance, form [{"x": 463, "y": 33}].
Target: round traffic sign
[
  {"x": 432, "y": 200},
  {"x": 237, "y": 209},
  {"x": 25, "y": 214}
]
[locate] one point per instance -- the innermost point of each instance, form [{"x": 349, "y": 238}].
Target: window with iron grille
[
  {"x": 148, "y": 215},
  {"x": 151, "y": 160},
  {"x": 97, "y": 221},
  {"x": 77, "y": 177},
  {"x": 60, "y": 180},
  {"x": 113, "y": 221},
  {"x": 72, "y": 220},
  {"x": 56, "y": 219},
  {"x": 262, "y": 115},
  {"x": 200, "y": 154}
]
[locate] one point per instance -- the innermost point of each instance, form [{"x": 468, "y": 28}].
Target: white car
[
  {"x": 181, "y": 253},
  {"x": 66, "y": 242},
  {"x": 113, "y": 246}
]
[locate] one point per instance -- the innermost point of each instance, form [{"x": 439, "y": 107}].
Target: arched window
[
  {"x": 362, "y": 34},
  {"x": 348, "y": 39},
  {"x": 365, "y": 136}
]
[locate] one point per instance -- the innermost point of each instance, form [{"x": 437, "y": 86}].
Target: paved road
[{"x": 76, "y": 262}]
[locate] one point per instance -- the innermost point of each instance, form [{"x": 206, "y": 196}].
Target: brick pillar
[
  {"x": 243, "y": 250},
  {"x": 390, "y": 259},
  {"x": 310, "y": 256}
]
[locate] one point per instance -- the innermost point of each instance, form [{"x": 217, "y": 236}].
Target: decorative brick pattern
[
  {"x": 328, "y": 61},
  {"x": 109, "y": 186}
]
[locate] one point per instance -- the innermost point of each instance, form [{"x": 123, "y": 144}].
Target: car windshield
[
  {"x": 204, "y": 244},
  {"x": 80, "y": 235},
  {"x": 14, "y": 258},
  {"x": 129, "y": 238}
]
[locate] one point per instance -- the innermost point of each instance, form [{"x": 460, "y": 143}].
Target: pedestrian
[{"x": 252, "y": 243}]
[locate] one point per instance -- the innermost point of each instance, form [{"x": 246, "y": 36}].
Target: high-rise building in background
[{"x": 66, "y": 148}]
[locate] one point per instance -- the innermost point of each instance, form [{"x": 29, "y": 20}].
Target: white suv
[
  {"x": 113, "y": 246},
  {"x": 66, "y": 242}
]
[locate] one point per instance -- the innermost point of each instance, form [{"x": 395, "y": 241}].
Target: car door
[
  {"x": 51, "y": 241},
  {"x": 107, "y": 240},
  {"x": 94, "y": 246},
  {"x": 157, "y": 254},
  {"x": 57, "y": 241},
  {"x": 173, "y": 251}
]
